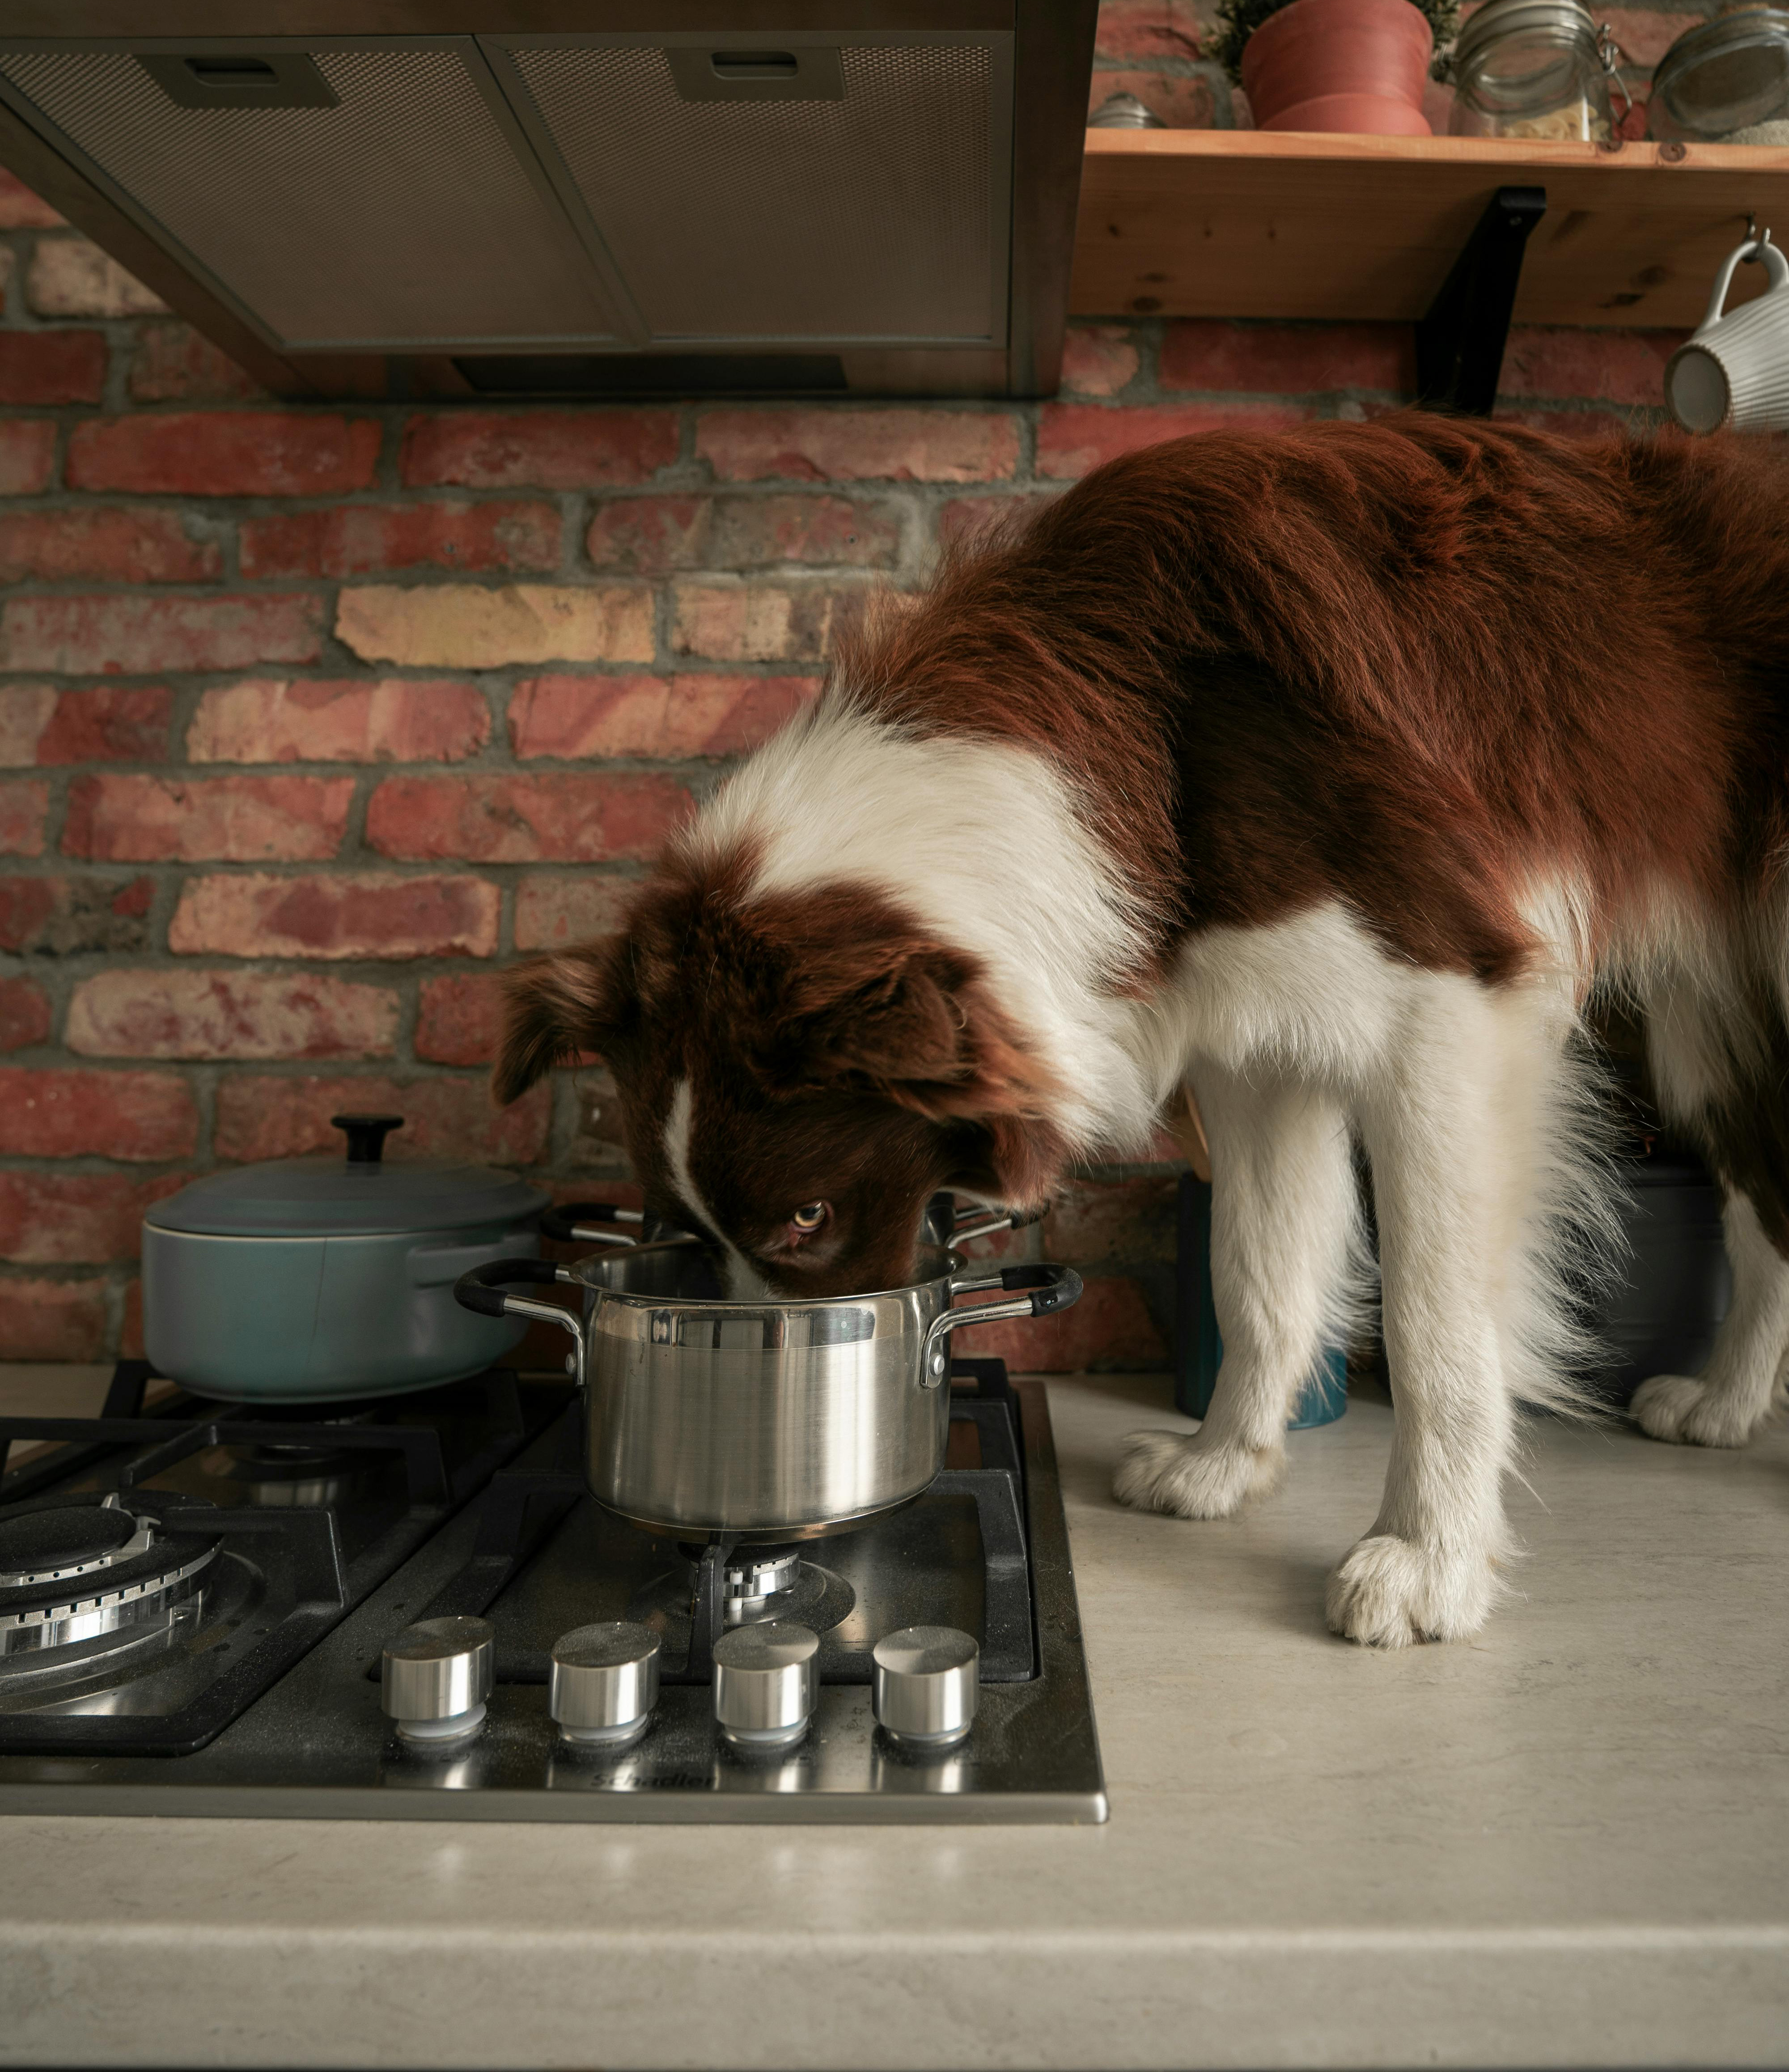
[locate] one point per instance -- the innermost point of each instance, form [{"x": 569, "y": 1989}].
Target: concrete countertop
[{"x": 1566, "y": 1844}]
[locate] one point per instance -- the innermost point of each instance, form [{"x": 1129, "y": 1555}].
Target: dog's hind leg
[
  {"x": 1723, "y": 1077},
  {"x": 1285, "y": 1249}
]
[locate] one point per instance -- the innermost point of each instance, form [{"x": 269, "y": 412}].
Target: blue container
[{"x": 1198, "y": 1350}]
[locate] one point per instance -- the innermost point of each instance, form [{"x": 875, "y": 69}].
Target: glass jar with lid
[
  {"x": 1535, "y": 68},
  {"x": 1725, "y": 81}
]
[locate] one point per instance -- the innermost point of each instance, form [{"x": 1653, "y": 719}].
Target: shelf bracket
[{"x": 1459, "y": 344}]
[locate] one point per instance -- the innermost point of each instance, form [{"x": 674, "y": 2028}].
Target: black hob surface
[{"x": 195, "y": 1601}]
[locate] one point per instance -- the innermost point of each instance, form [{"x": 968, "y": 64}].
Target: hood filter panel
[
  {"x": 400, "y": 218},
  {"x": 876, "y": 215}
]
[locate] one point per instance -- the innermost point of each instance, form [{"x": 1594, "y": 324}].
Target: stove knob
[
  {"x": 603, "y": 1682},
  {"x": 435, "y": 1677},
  {"x": 926, "y": 1685},
  {"x": 765, "y": 1678}
]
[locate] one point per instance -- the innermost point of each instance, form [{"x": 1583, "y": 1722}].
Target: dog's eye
[{"x": 808, "y": 1220}]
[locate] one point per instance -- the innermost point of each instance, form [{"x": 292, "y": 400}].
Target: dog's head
[{"x": 798, "y": 1074}]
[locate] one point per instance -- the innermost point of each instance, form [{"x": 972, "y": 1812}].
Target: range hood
[{"x": 514, "y": 199}]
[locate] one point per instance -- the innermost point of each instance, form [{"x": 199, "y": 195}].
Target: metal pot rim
[{"x": 588, "y": 1273}]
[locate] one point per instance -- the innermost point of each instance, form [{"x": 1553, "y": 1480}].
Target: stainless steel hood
[{"x": 575, "y": 200}]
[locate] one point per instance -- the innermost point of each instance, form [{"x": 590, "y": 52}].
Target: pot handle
[
  {"x": 984, "y": 1223},
  {"x": 1040, "y": 1291},
  {"x": 573, "y": 1223},
  {"x": 481, "y": 1290}
]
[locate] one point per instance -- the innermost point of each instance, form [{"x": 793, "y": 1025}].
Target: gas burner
[
  {"x": 757, "y": 1583},
  {"x": 276, "y": 1477},
  {"x": 752, "y": 1578},
  {"x": 74, "y": 1572}
]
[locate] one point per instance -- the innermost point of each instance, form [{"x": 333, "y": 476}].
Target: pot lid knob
[
  {"x": 366, "y": 1135},
  {"x": 926, "y": 1685},
  {"x": 435, "y": 1677},
  {"x": 603, "y": 1682},
  {"x": 765, "y": 1679}
]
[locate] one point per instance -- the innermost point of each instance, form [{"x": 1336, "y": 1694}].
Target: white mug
[{"x": 1732, "y": 372}]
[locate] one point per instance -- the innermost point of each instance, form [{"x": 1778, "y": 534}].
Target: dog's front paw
[
  {"x": 1675, "y": 1407},
  {"x": 1389, "y": 1591},
  {"x": 1191, "y": 1477}
]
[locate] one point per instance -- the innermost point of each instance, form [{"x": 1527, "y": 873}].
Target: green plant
[{"x": 1238, "y": 20}]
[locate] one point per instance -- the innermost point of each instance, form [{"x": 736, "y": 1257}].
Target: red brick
[
  {"x": 552, "y": 912},
  {"x": 1567, "y": 424},
  {"x": 130, "y": 1335},
  {"x": 71, "y": 276},
  {"x": 659, "y": 716},
  {"x": 66, "y": 916},
  {"x": 1075, "y": 437},
  {"x": 1287, "y": 359},
  {"x": 828, "y": 444},
  {"x": 38, "y": 367},
  {"x": 52, "y": 1320},
  {"x": 229, "y": 1014},
  {"x": 1183, "y": 101},
  {"x": 1109, "y": 1327},
  {"x": 967, "y": 517},
  {"x": 367, "y": 915},
  {"x": 1098, "y": 359},
  {"x": 1601, "y": 366},
  {"x": 1099, "y": 1220},
  {"x": 263, "y": 1117},
  {"x": 594, "y": 449},
  {"x": 58, "y": 1113},
  {"x": 20, "y": 209},
  {"x": 460, "y": 1020},
  {"x": 23, "y": 803},
  {"x": 652, "y": 535},
  {"x": 1146, "y": 29},
  {"x": 115, "y": 723},
  {"x": 76, "y": 1219},
  {"x": 152, "y": 818},
  {"x": 125, "y": 635},
  {"x": 108, "y": 546},
  {"x": 477, "y": 625},
  {"x": 399, "y": 720},
  {"x": 27, "y": 456},
  {"x": 24, "y": 1013},
  {"x": 584, "y": 819},
  {"x": 761, "y": 621},
  {"x": 174, "y": 364},
  {"x": 226, "y": 452},
  {"x": 367, "y": 539}
]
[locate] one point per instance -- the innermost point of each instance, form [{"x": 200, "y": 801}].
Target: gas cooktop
[{"x": 198, "y": 1603}]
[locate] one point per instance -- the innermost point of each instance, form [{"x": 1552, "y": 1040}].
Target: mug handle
[{"x": 1754, "y": 248}]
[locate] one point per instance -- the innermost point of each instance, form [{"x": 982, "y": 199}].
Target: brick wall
[{"x": 311, "y": 718}]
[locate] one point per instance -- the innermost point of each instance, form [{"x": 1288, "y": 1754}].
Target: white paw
[
  {"x": 1389, "y": 1591},
  {"x": 1673, "y": 1406},
  {"x": 1189, "y": 1476}
]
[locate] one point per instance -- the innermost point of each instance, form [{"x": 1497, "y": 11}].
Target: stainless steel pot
[
  {"x": 316, "y": 1280},
  {"x": 769, "y": 1421}
]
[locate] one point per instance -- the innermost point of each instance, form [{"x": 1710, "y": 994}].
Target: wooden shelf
[{"x": 1229, "y": 222}]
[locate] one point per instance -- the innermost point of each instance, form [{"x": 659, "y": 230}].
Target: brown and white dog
[{"x": 1327, "y": 774}]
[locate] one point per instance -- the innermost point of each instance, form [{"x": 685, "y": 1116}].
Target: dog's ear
[
  {"x": 914, "y": 1021},
  {"x": 557, "y": 1006}
]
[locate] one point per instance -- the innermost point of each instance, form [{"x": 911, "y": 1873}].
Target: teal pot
[{"x": 318, "y": 1280}]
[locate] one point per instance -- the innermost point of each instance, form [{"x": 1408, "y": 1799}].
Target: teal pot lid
[{"x": 357, "y": 1196}]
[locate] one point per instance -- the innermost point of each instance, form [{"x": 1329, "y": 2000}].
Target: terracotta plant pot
[{"x": 1354, "y": 65}]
